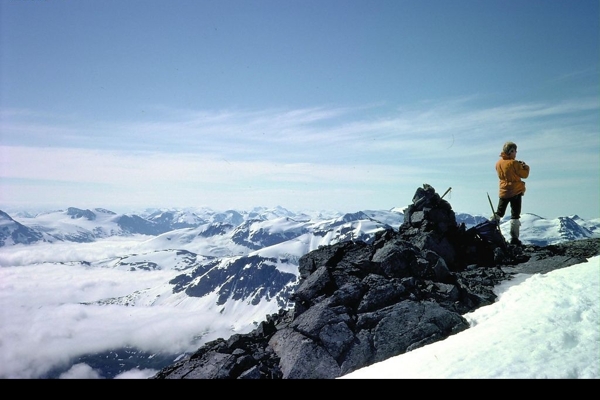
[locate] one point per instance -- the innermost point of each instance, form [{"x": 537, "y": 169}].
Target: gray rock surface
[{"x": 358, "y": 303}]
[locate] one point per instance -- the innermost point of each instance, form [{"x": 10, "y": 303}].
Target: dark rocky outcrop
[
  {"x": 76, "y": 213},
  {"x": 360, "y": 303}
]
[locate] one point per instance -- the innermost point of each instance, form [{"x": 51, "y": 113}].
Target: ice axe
[{"x": 446, "y": 192}]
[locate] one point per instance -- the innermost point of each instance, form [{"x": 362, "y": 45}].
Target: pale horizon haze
[{"x": 334, "y": 105}]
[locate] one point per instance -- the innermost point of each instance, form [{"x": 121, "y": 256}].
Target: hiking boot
[
  {"x": 495, "y": 218},
  {"x": 516, "y": 242}
]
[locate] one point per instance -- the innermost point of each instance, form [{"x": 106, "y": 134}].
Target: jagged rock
[{"x": 360, "y": 303}]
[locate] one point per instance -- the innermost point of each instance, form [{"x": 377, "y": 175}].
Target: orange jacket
[{"x": 510, "y": 172}]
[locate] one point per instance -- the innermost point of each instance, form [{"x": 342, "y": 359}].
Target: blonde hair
[{"x": 508, "y": 147}]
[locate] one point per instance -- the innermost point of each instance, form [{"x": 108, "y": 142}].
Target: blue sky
[{"x": 333, "y": 105}]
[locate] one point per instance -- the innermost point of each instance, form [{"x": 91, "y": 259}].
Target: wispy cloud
[
  {"x": 226, "y": 132},
  {"x": 200, "y": 154}
]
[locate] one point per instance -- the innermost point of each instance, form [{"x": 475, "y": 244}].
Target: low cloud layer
[{"x": 44, "y": 318}]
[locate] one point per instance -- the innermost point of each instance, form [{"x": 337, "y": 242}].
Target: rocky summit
[{"x": 360, "y": 303}]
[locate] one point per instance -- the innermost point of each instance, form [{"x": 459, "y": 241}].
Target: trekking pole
[
  {"x": 496, "y": 222},
  {"x": 492, "y": 206}
]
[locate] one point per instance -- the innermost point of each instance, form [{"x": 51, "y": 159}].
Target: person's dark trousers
[
  {"x": 515, "y": 206},
  {"x": 515, "y": 213}
]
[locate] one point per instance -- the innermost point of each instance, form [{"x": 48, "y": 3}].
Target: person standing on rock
[{"x": 511, "y": 188}]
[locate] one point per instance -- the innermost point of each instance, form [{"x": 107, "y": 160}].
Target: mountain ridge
[{"x": 84, "y": 225}]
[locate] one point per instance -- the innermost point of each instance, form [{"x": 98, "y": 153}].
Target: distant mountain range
[
  {"x": 253, "y": 230},
  {"x": 233, "y": 257},
  {"x": 237, "y": 255}
]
